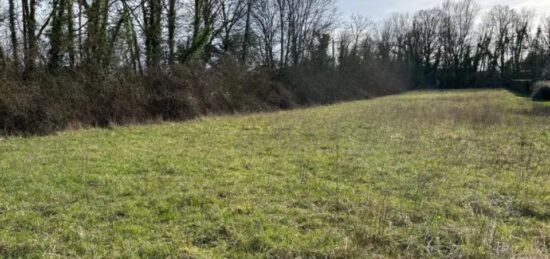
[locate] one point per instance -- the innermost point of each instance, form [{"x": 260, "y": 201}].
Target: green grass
[{"x": 425, "y": 174}]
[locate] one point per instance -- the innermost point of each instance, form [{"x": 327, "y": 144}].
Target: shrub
[
  {"x": 541, "y": 91},
  {"x": 45, "y": 102},
  {"x": 24, "y": 108}
]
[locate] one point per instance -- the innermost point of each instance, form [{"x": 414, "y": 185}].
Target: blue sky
[{"x": 378, "y": 9}]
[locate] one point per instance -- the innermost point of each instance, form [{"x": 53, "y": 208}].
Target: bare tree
[
  {"x": 521, "y": 28},
  {"x": 357, "y": 27},
  {"x": 426, "y": 25},
  {"x": 264, "y": 22},
  {"x": 500, "y": 19},
  {"x": 231, "y": 13},
  {"x": 384, "y": 43},
  {"x": 457, "y": 24}
]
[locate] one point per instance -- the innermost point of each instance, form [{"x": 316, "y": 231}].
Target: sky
[{"x": 379, "y": 9}]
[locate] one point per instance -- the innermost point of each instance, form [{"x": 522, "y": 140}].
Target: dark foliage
[
  {"x": 47, "y": 103},
  {"x": 541, "y": 93}
]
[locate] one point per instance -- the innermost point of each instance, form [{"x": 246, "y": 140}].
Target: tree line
[
  {"x": 456, "y": 46},
  {"x": 151, "y": 36},
  {"x": 125, "y": 60}
]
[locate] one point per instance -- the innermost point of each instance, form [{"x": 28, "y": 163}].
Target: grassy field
[{"x": 425, "y": 174}]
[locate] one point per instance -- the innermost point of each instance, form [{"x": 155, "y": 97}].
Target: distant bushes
[
  {"x": 23, "y": 110},
  {"x": 541, "y": 91},
  {"x": 47, "y": 103}
]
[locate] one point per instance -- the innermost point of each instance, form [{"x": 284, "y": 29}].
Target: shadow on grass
[
  {"x": 530, "y": 212},
  {"x": 537, "y": 110}
]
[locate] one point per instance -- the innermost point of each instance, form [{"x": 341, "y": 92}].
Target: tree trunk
[
  {"x": 246, "y": 33},
  {"x": 56, "y": 36},
  {"x": 29, "y": 37},
  {"x": 152, "y": 15},
  {"x": 171, "y": 30},
  {"x": 70, "y": 33},
  {"x": 13, "y": 34}
]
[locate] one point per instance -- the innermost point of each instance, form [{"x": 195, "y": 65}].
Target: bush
[
  {"x": 170, "y": 98},
  {"x": 24, "y": 109},
  {"x": 541, "y": 91},
  {"x": 45, "y": 103}
]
